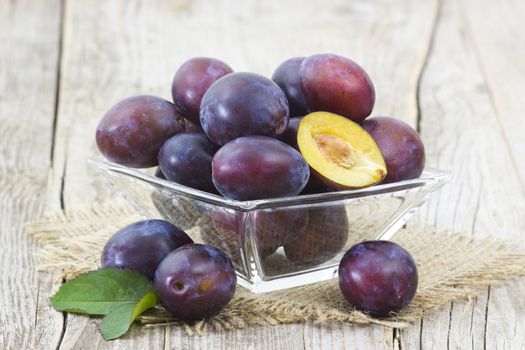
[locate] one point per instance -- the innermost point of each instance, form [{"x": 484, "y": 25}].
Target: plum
[
  {"x": 192, "y": 80},
  {"x": 400, "y": 145},
  {"x": 142, "y": 245},
  {"x": 337, "y": 84},
  {"x": 322, "y": 239},
  {"x": 287, "y": 77},
  {"x": 272, "y": 227},
  {"x": 243, "y": 104},
  {"x": 340, "y": 151},
  {"x": 258, "y": 167},
  {"x": 186, "y": 159},
  {"x": 132, "y": 132},
  {"x": 378, "y": 277},
  {"x": 226, "y": 222},
  {"x": 276, "y": 227},
  {"x": 195, "y": 281}
]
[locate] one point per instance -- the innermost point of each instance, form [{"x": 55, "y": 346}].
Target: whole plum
[
  {"x": 287, "y": 77},
  {"x": 186, "y": 159},
  {"x": 378, "y": 277},
  {"x": 243, "y": 104},
  {"x": 336, "y": 84},
  {"x": 258, "y": 167},
  {"x": 132, "y": 132},
  {"x": 192, "y": 80},
  {"x": 142, "y": 245},
  {"x": 400, "y": 145},
  {"x": 195, "y": 281}
]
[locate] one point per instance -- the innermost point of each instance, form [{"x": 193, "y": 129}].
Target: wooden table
[{"x": 456, "y": 70}]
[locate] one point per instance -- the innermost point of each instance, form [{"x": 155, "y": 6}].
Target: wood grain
[
  {"x": 29, "y": 46},
  {"x": 461, "y": 130},
  {"x": 497, "y": 31}
]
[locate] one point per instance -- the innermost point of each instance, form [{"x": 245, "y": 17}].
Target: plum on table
[
  {"x": 142, "y": 245},
  {"x": 195, "y": 281},
  {"x": 378, "y": 277}
]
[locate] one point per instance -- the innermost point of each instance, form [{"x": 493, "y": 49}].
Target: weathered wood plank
[
  {"x": 497, "y": 31},
  {"x": 461, "y": 130},
  {"x": 29, "y": 47}
]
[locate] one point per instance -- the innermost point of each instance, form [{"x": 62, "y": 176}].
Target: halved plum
[{"x": 340, "y": 151}]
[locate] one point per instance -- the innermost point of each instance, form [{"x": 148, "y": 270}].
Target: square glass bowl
[{"x": 284, "y": 242}]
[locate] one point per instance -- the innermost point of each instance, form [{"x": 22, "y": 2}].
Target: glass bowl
[{"x": 283, "y": 242}]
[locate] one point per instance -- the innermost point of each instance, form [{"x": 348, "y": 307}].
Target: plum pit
[{"x": 337, "y": 150}]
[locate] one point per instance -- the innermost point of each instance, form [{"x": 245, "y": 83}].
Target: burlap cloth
[{"x": 451, "y": 267}]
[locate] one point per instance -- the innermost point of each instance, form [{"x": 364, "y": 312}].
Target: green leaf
[
  {"x": 121, "y": 295},
  {"x": 120, "y": 317}
]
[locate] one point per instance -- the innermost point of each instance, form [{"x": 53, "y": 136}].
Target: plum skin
[
  {"x": 286, "y": 75},
  {"x": 323, "y": 238},
  {"x": 243, "y": 104},
  {"x": 338, "y": 85},
  {"x": 186, "y": 159},
  {"x": 378, "y": 277},
  {"x": 400, "y": 145},
  {"x": 272, "y": 228},
  {"x": 192, "y": 80},
  {"x": 141, "y": 246},
  {"x": 195, "y": 281},
  {"x": 258, "y": 167},
  {"x": 132, "y": 132}
]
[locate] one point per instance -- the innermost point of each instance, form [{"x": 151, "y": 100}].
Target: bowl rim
[{"x": 428, "y": 177}]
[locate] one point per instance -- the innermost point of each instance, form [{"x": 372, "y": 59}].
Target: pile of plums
[{"x": 247, "y": 137}]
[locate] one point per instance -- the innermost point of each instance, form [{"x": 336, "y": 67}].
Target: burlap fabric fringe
[{"x": 451, "y": 267}]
